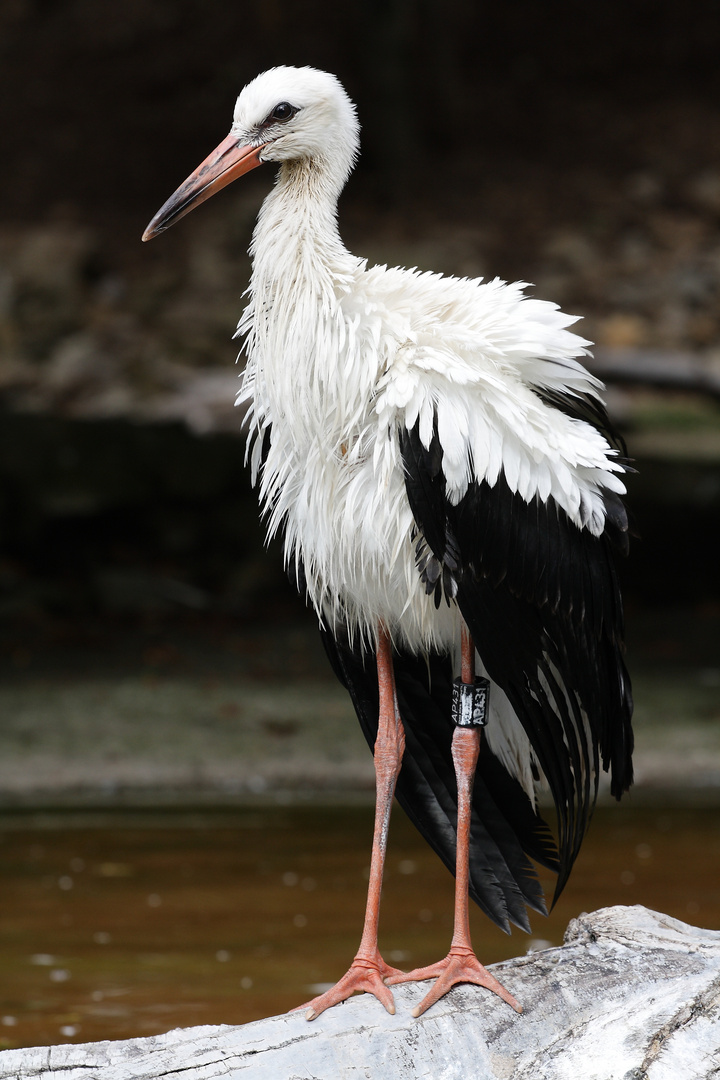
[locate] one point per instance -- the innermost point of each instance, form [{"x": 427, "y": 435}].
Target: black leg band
[{"x": 470, "y": 702}]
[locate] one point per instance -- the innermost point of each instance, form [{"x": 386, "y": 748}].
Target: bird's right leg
[
  {"x": 461, "y": 965},
  {"x": 368, "y": 969}
]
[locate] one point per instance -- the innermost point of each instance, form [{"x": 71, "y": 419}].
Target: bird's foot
[
  {"x": 365, "y": 974},
  {"x": 460, "y": 966}
]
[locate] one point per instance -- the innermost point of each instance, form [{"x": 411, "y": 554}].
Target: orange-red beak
[{"x": 228, "y": 161}]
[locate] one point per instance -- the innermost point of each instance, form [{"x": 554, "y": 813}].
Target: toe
[{"x": 417, "y": 975}]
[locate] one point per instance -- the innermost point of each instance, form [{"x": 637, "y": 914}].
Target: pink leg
[
  {"x": 460, "y": 965},
  {"x": 368, "y": 969}
]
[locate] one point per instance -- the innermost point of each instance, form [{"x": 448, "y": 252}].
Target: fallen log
[{"x": 631, "y": 995}]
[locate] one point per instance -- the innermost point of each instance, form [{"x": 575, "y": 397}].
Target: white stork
[{"x": 441, "y": 468}]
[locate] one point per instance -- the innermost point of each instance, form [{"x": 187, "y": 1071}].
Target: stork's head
[{"x": 284, "y": 115}]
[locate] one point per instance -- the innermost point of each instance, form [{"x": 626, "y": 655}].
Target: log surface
[{"x": 631, "y": 995}]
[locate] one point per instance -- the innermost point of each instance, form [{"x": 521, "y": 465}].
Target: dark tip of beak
[
  {"x": 156, "y": 227},
  {"x": 228, "y": 161}
]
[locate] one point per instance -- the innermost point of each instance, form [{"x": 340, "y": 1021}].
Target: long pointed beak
[{"x": 228, "y": 161}]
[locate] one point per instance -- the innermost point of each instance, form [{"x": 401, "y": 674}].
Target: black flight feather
[{"x": 541, "y": 599}]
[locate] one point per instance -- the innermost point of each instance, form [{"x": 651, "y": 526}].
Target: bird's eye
[{"x": 282, "y": 112}]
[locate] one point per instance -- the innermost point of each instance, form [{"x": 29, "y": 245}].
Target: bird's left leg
[
  {"x": 461, "y": 964},
  {"x": 368, "y": 969}
]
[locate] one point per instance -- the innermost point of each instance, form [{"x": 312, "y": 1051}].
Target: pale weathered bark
[{"x": 632, "y": 995}]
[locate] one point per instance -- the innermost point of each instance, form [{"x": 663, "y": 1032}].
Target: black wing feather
[{"x": 541, "y": 599}]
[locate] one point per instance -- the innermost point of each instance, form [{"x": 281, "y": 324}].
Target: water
[{"x": 125, "y": 924}]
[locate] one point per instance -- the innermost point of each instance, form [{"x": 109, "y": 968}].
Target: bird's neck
[
  {"x": 296, "y": 320},
  {"x": 296, "y": 246}
]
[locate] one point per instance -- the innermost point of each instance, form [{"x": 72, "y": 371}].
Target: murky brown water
[{"x": 117, "y": 927}]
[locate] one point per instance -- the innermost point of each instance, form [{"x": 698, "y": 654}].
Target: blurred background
[{"x": 185, "y": 801}]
